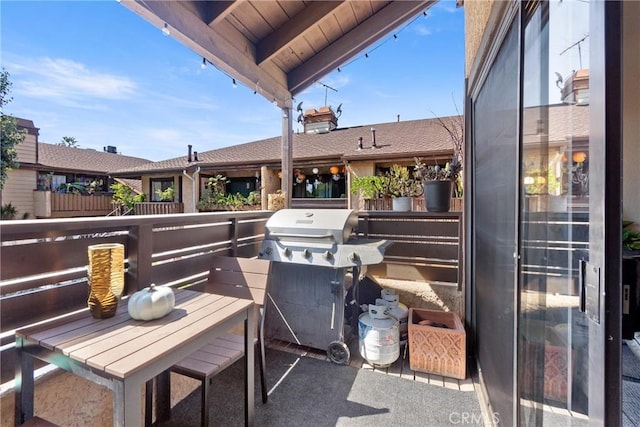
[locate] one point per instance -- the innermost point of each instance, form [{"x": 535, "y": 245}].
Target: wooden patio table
[{"x": 123, "y": 354}]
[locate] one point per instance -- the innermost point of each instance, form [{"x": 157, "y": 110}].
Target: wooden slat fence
[
  {"x": 427, "y": 246},
  {"x": 417, "y": 204},
  {"x": 43, "y": 268},
  {"x": 158, "y": 208},
  {"x": 64, "y": 205}
]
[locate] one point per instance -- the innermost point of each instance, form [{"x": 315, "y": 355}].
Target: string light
[
  {"x": 233, "y": 83},
  {"x": 204, "y": 63},
  {"x": 165, "y": 29},
  {"x": 395, "y": 38}
]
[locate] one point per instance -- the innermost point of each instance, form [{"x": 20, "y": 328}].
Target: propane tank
[
  {"x": 378, "y": 336},
  {"x": 398, "y": 311}
]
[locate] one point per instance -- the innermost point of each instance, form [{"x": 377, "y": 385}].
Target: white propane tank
[
  {"x": 378, "y": 336},
  {"x": 398, "y": 311}
]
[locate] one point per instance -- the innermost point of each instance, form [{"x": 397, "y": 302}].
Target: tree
[
  {"x": 10, "y": 135},
  {"x": 69, "y": 141}
]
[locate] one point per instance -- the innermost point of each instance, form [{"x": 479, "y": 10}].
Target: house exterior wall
[
  {"x": 26, "y": 150},
  {"x": 631, "y": 112},
  {"x": 476, "y": 17},
  {"x": 18, "y": 190},
  {"x": 189, "y": 193}
]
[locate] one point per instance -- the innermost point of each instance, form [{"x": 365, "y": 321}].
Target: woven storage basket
[
  {"x": 437, "y": 350},
  {"x": 106, "y": 278}
]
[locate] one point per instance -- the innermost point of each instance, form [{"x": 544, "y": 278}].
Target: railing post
[
  {"x": 233, "y": 234},
  {"x": 140, "y": 249}
]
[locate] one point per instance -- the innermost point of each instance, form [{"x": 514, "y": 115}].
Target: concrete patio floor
[{"x": 305, "y": 389}]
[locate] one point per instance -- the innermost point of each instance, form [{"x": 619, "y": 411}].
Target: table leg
[
  {"x": 23, "y": 385},
  {"x": 127, "y": 406},
  {"x": 249, "y": 368},
  {"x": 163, "y": 396}
]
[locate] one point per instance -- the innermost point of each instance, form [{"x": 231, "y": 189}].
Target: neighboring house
[
  {"x": 45, "y": 169},
  {"x": 323, "y": 159}
]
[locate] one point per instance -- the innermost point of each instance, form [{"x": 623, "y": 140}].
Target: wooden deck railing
[
  {"x": 158, "y": 208},
  {"x": 64, "y": 205},
  {"x": 427, "y": 246},
  {"x": 43, "y": 268},
  {"x": 417, "y": 204}
]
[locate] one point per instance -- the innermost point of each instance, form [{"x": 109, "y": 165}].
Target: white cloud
[
  {"x": 68, "y": 82},
  {"x": 422, "y": 30}
]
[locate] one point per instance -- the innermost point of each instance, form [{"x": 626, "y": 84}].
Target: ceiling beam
[
  {"x": 211, "y": 12},
  {"x": 294, "y": 28},
  {"x": 368, "y": 32},
  {"x": 235, "y": 59}
]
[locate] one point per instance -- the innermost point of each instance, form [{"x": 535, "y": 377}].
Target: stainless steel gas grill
[{"x": 314, "y": 250}]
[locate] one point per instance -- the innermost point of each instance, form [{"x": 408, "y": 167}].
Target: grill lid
[
  {"x": 320, "y": 237},
  {"x": 308, "y": 225}
]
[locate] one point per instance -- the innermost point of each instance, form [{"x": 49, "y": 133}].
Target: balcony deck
[{"x": 305, "y": 388}]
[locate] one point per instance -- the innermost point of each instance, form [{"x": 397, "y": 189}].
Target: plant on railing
[
  {"x": 167, "y": 194},
  {"x": 74, "y": 188},
  {"x": 217, "y": 199},
  {"x": 401, "y": 184},
  {"x": 370, "y": 187},
  {"x": 124, "y": 196}
]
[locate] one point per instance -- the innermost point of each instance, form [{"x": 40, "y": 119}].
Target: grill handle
[{"x": 301, "y": 236}]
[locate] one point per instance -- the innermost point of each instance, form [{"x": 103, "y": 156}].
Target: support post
[{"x": 287, "y": 153}]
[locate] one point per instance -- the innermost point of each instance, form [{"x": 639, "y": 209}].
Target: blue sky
[{"x": 95, "y": 71}]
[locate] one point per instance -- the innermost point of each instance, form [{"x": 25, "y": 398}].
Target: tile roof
[
  {"x": 85, "y": 160},
  {"x": 422, "y": 138},
  {"x": 556, "y": 123},
  {"x": 134, "y": 184}
]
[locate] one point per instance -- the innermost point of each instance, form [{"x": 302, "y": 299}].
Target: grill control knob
[
  {"x": 287, "y": 252},
  {"x": 327, "y": 255},
  {"x": 306, "y": 253},
  {"x": 353, "y": 257}
]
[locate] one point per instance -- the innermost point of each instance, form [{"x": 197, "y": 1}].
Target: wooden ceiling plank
[
  {"x": 219, "y": 10},
  {"x": 233, "y": 58},
  {"x": 294, "y": 28},
  {"x": 211, "y": 12},
  {"x": 365, "y": 34}
]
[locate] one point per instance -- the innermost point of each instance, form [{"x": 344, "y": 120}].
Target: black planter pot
[{"x": 437, "y": 195}]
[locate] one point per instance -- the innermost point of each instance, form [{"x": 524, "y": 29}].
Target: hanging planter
[{"x": 437, "y": 195}]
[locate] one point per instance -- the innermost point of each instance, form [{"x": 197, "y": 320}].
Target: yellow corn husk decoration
[{"x": 106, "y": 278}]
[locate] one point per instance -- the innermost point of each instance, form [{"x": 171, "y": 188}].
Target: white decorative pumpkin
[{"x": 151, "y": 303}]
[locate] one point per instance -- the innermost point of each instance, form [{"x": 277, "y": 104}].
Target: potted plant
[
  {"x": 369, "y": 187},
  {"x": 437, "y": 182},
  {"x": 401, "y": 186}
]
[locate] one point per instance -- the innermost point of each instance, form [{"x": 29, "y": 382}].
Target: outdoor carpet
[
  {"x": 630, "y": 363},
  {"x": 309, "y": 392}
]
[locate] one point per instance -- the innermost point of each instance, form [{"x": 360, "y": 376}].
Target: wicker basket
[
  {"x": 436, "y": 349},
  {"x": 106, "y": 278}
]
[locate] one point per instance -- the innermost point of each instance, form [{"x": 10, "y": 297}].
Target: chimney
[
  {"x": 323, "y": 120},
  {"x": 189, "y": 153},
  {"x": 373, "y": 133},
  {"x": 195, "y": 156}
]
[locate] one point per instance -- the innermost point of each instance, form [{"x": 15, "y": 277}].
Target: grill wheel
[{"x": 338, "y": 352}]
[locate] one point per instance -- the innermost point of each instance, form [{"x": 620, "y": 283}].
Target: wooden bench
[{"x": 238, "y": 277}]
